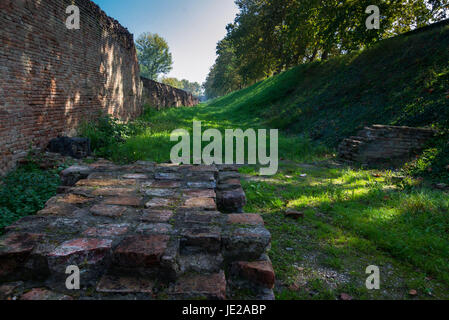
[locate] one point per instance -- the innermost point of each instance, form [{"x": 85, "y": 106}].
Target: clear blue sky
[{"x": 192, "y": 28}]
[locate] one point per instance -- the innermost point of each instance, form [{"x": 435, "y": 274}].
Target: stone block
[
  {"x": 154, "y": 228},
  {"x": 245, "y": 219},
  {"x": 201, "y": 184},
  {"x": 211, "y": 286},
  {"x": 74, "y": 147},
  {"x": 162, "y": 193},
  {"x": 259, "y": 272},
  {"x": 73, "y": 174},
  {"x": 231, "y": 201},
  {"x": 109, "y": 211},
  {"x": 173, "y": 176},
  {"x": 41, "y": 294},
  {"x": 124, "y": 201},
  {"x": 246, "y": 243},
  {"x": 15, "y": 249},
  {"x": 107, "y": 230},
  {"x": 161, "y": 203},
  {"x": 166, "y": 184},
  {"x": 198, "y": 193},
  {"x": 141, "y": 251},
  {"x": 125, "y": 284},
  {"x": 156, "y": 216},
  {"x": 92, "y": 256},
  {"x": 201, "y": 238},
  {"x": 207, "y": 204}
]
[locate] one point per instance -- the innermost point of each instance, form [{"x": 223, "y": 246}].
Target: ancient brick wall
[
  {"x": 52, "y": 78},
  {"x": 384, "y": 146},
  {"x": 162, "y": 96}
]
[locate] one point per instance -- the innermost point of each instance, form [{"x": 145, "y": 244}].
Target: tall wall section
[{"x": 52, "y": 78}]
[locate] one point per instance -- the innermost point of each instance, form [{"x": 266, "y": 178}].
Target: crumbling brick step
[{"x": 143, "y": 231}]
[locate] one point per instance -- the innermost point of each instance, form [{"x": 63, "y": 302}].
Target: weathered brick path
[{"x": 142, "y": 231}]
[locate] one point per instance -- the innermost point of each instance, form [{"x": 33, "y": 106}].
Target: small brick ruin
[
  {"x": 141, "y": 231},
  {"x": 162, "y": 96},
  {"x": 384, "y": 146}
]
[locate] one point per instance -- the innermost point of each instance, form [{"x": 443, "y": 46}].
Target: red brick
[
  {"x": 141, "y": 251},
  {"x": 207, "y": 286},
  {"x": 105, "y": 183},
  {"x": 58, "y": 209},
  {"x": 200, "y": 203},
  {"x": 15, "y": 248},
  {"x": 77, "y": 246},
  {"x": 44, "y": 294},
  {"x": 245, "y": 219},
  {"x": 124, "y": 201},
  {"x": 122, "y": 284},
  {"x": 107, "y": 211},
  {"x": 111, "y": 192},
  {"x": 79, "y": 252},
  {"x": 260, "y": 272},
  {"x": 166, "y": 184},
  {"x": 208, "y": 238},
  {"x": 231, "y": 201}
]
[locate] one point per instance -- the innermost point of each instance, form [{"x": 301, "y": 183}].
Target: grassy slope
[
  {"x": 400, "y": 81},
  {"x": 353, "y": 217}
]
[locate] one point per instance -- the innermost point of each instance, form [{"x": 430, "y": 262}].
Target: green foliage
[
  {"x": 433, "y": 163},
  {"x": 223, "y": 77},
  {"x": 7, "y": 218},
  {"x": 106, "y": 133},
  {"x": 154, "y": 55},
  {"x": 268, "y": 37},
  {"x": 24, "y": 192}
]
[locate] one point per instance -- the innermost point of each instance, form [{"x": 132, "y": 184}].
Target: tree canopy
[
  {"x": 192, "y": 87},
  {"x": 154, "y": 55},
  {"x": 270, "y": 36}
]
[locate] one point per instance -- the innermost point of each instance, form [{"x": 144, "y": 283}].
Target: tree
[
  {"x": 224, "y": 75},
  {"x": 270, "y": 36},
  {"x": 191, "y": 87},
  {"x": 154, "y": 55}
]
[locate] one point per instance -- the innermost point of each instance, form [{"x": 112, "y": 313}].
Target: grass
[{"x": 353, "y": 218}]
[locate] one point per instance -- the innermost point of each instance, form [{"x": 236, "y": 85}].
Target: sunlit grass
[{"x": 411, "y": 226}]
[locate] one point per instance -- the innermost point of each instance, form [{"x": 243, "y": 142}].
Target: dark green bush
[
  {"x": 24, "y": 192},
  {"x": 106, "y": 133},
  {"x": 434, "y": 161}
]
